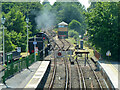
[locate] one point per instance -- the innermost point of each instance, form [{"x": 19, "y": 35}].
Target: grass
[{"x": 72, "y": 41}]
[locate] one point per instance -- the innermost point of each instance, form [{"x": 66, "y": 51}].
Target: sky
[{"x": 83, "y": 2}]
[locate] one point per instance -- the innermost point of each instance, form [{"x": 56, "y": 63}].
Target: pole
[
  {"x": 27, "y": 40},
  {"x": 3, "y": 47},
  {"x": 85, "y": 59},
  {"x": 35, "y": 48}
]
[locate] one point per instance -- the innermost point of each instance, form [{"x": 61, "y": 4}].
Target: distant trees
[
  {"x": 69, "y": 11},
  {"x": 16, "y": 13}
]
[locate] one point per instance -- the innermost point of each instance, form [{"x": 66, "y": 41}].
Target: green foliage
[
  {"x": 9, "y": 46},
  {"x": 72, "y": 33},
  {"x": 76, "y": 25},
  {"x": 68, "y": 11},
  {"x": 103, "y": 28},
  {"x": 15, "y": 20},
  {"x": 13, "y": 40},
  {"x": 15, "y": 14}
]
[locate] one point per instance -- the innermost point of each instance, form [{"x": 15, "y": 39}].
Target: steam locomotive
[{"x": 41, "y": 41}]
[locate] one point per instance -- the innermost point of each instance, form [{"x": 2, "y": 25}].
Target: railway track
[
  {"x": 66, "y": 44},
  {"x": 62, "y": 74},
  {"x": 61, "y": 45},
  {"x": 54, "y": 48},
  {"x": 99, "y": 83},
  {"x": 92, "y": 78},
  {"x": 82, "y": 83}
]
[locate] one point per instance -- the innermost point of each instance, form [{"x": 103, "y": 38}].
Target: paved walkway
[
  {"x": 21, "y": 79},
  {"x": 112, "y": 71}
]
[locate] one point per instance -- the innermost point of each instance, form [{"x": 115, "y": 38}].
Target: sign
[
  {"x": 34, "y": 42},
  {"x": 18, "y": 49},
  {"x": 62, "y": 29},
  {"x": 59, "y": 53},
  {"x": 108, "y": 53}
]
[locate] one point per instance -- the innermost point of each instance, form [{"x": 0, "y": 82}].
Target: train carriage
[{"x": 42, "y": 42}]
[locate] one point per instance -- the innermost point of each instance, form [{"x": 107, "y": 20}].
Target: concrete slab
[{"x": 112, "y": 72}]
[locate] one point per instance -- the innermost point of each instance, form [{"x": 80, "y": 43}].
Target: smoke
[{"x": 45, "y": 19}]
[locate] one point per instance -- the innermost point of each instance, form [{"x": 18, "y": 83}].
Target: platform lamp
[
  {"x": 27, "y": 21},
  {"x": 3, "y": 21}
]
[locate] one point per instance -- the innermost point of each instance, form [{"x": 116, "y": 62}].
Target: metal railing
[{"x": 19, "y": 65}]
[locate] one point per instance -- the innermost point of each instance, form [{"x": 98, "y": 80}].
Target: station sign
[{"x": 34, "y": 42}]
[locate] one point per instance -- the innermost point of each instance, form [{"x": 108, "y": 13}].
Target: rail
[
  {"x": 82, "y": 76},
  {"x": 54, "y": 68},
  {"x": 66, "y": 75},
  {"x": 95, "y": 76},
  {"x": 60, "y": 47}
]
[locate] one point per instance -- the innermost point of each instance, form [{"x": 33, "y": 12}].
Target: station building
[{"x": 62, "y": 30}]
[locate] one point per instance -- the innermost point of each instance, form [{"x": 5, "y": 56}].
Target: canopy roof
[{"x": 63, "y": 23}]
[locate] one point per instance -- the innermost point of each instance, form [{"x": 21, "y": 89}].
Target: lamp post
[
  {"x": 3, "y": 21},
  {"x": 27, "y": 21}
]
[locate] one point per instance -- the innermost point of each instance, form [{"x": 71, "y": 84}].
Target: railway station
[{"x": 60, "y": 48}]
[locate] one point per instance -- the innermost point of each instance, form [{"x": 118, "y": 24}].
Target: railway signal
[
  {"x": 59, "y": 53},
  {"x": 43, "y": 38},
  {"x": 36, "y": 51}
]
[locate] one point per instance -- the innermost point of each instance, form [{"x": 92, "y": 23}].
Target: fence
[
  {"x": 96, "y": 54},
  {"x": 19, "y": 65}
]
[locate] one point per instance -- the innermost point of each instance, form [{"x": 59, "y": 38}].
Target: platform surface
[
  {"x": 35, "y": 80},
  {"x": 20, "y": 80},
  {"x": 112, "y": 72}
]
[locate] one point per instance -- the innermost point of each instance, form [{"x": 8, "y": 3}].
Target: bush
[
  {"x": 73, "y": 33},
  {"x": 76, "y": 25}
]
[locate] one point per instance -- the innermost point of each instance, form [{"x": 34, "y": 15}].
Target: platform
[
  {"x": 112, "y": 73},
  {"x": 39, "y": 74},
  {"x": 25, "y": 77}
]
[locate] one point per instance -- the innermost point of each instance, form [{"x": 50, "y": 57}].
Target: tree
[
  {"x": 103, "y": 28},
  {"x": 72, "y": 33},
  {"x": 15, "y": 20},
  {"x": 28, "y": 9},
  {"x": 68, "y": 11},
  {"x": 76, "y": 25}
]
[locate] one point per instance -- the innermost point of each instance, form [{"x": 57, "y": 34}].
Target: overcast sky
[{"x": 84, "y": 2}]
